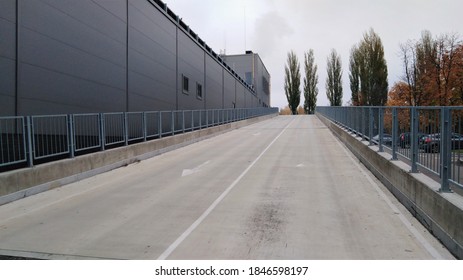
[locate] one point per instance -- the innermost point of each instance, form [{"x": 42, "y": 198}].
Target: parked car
[
  {"x": 387, "y": 139},
  {"x": 405, "y": 139},
  {"x": 431, "y": 143}
]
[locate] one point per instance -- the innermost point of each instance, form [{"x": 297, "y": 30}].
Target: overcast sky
[{"x": 271, "y": 28}]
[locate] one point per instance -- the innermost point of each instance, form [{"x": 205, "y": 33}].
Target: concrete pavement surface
[{"x": 284, "y": 188}]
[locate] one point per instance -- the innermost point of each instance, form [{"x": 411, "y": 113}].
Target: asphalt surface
[{"x": 284, "y": 188}]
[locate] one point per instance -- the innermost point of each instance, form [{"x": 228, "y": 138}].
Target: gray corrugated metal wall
[
  {"x": 214, "y": 88},
  {"x": 8, "y": 57},
  {"x": 72, "y": 57},
  {"x": 85, "y": 56},
  {"x": 152, "y": 58},
  {"x": 229, "y": 85}
]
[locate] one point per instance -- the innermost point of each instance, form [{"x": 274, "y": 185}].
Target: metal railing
[
  {"x": 429, "y": 139},
  {"x": 30, "y": 140}
]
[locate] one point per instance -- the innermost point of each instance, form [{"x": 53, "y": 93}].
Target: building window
[
  {"x": 265, "y": 86},
  {"x": 199, "y": 91},
  {"x": 185, "y": 85},
  {"x": 248, "y": 78}
]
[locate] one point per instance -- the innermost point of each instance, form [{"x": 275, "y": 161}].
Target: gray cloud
[{"x": 270, "y": 29}]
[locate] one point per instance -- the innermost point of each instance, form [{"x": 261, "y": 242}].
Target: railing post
[
  {"x": 370, "y": 126},
  {"x": 71, "y": 135},
  {"x": 336, "y": 114},
  {"x": 173, "y": 122},
  {"x": 160, "y": 124},
  {"x": 353, "y": 121},
  {"x": 414, "y": 138},
  {"x": 380, "y": 128},
  {"x": 357, "y": 121},
  {"x": 341, "y": 112},
  {"x": 30, "y": 151},
  {"x": 395, "y": 132},
  {"x": 362, "y": 120},
  {"x": 348, "y": 119},
  {"x": 345, "y": 117},
  {"x": 102, "y": 132},
  {"x": 126, "y": 129},
  {"x": 145, "y": 128},
  {"x": 445, "y": 149},
  {"x": 183, "y": 121}
]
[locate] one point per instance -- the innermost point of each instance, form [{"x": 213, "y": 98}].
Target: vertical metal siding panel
[
  {"x": 72, "y": 57},
  {"x": 240, "y": 97},
  {"x": 152, "y": 58},
  {"x": 214, "y": 99},
  {"x": 229, "y": 90},
  {"x": 7, "y": 57}
]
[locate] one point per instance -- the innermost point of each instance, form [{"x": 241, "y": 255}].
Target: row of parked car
[{"x": 430, "y": 143}]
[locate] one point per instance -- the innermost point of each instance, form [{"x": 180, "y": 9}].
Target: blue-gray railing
[
  {"x": 430, "y": 139},
  {"x": 28, "y": 140}
]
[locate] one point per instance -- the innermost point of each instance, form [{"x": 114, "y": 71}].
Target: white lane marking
[
  {"x": 256, "y": 134},
  {"x": 431, "y": 250},
  {"x": 187, "y": 172},
  {"x": 189, "y": 230},
  {"x": 300, "y": 165}
]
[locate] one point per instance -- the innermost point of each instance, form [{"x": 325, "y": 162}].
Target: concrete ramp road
[{"x": 284, "y": 188}]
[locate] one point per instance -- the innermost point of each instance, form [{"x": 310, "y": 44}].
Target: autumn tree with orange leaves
[{"x": 433, "y": 72}]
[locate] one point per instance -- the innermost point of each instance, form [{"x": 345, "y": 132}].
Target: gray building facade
[
  {"x": 65, "y": 56},
  {"x": 252, "y": 69}
]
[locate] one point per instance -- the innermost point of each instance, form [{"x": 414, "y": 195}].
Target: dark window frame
[
  {"x": 185, "y": 84},
  {"x": 199, "y": 91}
]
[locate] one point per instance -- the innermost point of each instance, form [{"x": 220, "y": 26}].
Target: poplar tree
[
  {"x": 368, "y": 72},
  {"x": 310, "y": 83},
  {"x": 334, "y": 79},
  {"x": 293, "y": 82}
]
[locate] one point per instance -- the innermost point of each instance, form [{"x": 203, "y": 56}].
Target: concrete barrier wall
[
  {"x": 28, "y": 181},
  {"x": 440, "y": 213}
]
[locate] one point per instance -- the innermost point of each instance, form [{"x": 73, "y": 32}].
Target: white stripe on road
[
  {"x": 187, "y": 232},
  {"x": 187, "y": 172}
]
